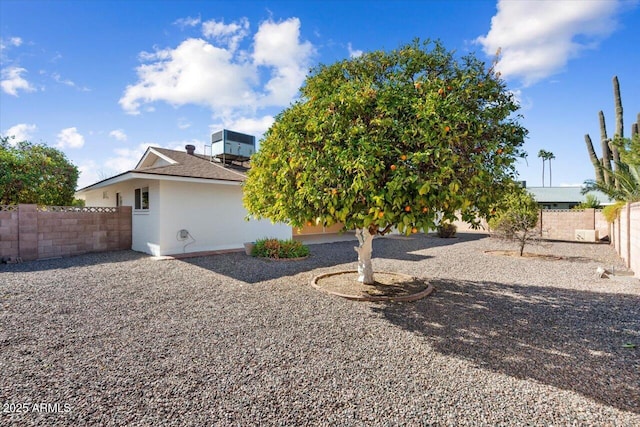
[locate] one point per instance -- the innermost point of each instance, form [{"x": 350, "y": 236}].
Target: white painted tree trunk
[{"x": 364, "y": 248}]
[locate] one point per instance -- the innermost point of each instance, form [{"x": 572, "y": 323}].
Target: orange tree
[{"x": 404, "y": 139}]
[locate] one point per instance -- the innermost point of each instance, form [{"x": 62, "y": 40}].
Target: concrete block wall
[
  {"x": 9, "y": 245},
  {"x": 627, "y": 236},
  {"x": 562, "y": 224},
  {"x": 32, "y": 233},
  {"x": 559, "y": 224}
]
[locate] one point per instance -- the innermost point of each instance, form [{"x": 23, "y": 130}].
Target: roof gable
[{"x": 153, "y": 157}]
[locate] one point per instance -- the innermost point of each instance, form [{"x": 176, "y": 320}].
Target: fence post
[{"x": 628, "y": 235}]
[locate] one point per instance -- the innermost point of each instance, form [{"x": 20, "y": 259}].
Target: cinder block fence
[{"x": 35, "y": 232}]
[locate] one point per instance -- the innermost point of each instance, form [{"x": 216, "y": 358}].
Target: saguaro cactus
[{"x": 602, "y": 167}]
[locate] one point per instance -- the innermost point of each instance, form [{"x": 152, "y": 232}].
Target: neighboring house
[
  {"x": 183, "y": 202},
  {"x": 564, "y": 197}
]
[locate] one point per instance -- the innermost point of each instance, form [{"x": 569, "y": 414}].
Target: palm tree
[
  {"x": 546, "y": 155},
  {"x": 542, "y": 154},
  {"x": 550, "y": 157}
]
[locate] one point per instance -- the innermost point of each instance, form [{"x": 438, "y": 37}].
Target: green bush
[
  {"x": 611, "y": 212},
  {"x": 590, "y": 202},
  {"x": 277, "y": 249}
]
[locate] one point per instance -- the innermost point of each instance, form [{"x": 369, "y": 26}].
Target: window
[
  {"x": 118, "y": 199},
  {"x": 142, "y": 198}
]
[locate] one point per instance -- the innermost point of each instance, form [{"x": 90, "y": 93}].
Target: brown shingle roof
[{"x": 195, "y": 166}]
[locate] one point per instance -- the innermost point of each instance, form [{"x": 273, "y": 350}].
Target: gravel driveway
[{"x": 122, "y": 339}]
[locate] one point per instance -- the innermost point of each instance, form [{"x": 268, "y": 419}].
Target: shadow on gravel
[
  {"x": 568, "y": 339},
  {"x": 253, "y": 270},
  {"x": 73, "y": 261}
]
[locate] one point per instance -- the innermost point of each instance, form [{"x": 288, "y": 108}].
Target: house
[
  {"x": 564, "y": 197},
  {"x": 184, "y": 202}
]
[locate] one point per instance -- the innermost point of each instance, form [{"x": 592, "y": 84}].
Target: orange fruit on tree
[
  {"x": 499, "y": 151},
  {"x": 403, "y": 157},
  {"x": 447, "y": 128},
  {"x": 407, "y": 208},
  {"x": 425, "y": 209},
  {"x": 380, "y": 214},
  {"x": 440, "y": 91},
  {"x": 392, "y": 167},
  {"x": 414, "y": 230}
]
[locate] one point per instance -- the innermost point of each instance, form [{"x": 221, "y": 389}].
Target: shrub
[
  {"x": 277, "y": 249},
  {"x": 447, "y": 230},
  {"x": 590, "y": 202},
  {"x": 611, "y": 212}
]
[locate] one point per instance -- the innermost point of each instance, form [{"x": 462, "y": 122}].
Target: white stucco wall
[
  {"x": 145, "y": 224},
  {"x": 213, "y": 215}
]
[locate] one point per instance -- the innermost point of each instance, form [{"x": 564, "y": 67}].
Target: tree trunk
[
  {"x": 543, "y": 171},
  {"x": 364, "y": 249}
]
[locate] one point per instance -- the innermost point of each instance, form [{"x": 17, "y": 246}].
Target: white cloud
[
  {"x": 184, "y": 123},
  {"x": 179, "y": 145},
  {"x": 225, "y": 79},
  {"x": 278, "y": 45},
  {"x": 12, "y": 81},
  {"x": 187, "y": 22},
  {"x": 21, "y": 132},
  {"x": 228, "y": 35},
  {"x": 118, "y": 134},
  {"x": 70, "y": 138},
  {"x": 125, "y": 158},
  {"x": 354, "y": 53},
  {"x": 68, "y": 82},
  {"x": 250, "y": 125},
  {"x": 195, "y": 72},
  {"x": 538, "y": 38},
  {"x": 11, "y": 41}
]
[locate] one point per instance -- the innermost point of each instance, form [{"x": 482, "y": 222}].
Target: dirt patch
[{"x": 387, "y": 286}]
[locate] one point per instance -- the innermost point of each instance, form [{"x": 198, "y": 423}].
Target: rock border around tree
[{"x": 315, "y": 282}]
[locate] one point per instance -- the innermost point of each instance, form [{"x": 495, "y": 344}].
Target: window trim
[{"x": 139, "y": 202}]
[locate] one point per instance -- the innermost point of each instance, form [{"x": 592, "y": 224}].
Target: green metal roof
[{"x": 565, "y": 195}]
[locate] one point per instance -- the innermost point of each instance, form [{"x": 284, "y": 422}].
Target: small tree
[
  {"x": 398, "y": 139},
  {"x": 35, "y": 173},
  {"x": 590, "y": 202},
  {"x": 516, "y": 219}
]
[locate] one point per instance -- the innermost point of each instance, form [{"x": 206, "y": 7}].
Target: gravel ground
[{"x": 123, "y": 339}]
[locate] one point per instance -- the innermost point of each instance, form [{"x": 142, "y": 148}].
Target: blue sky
[{"x": 102, "y": 80}]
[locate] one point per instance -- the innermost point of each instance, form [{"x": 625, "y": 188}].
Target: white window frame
[{"x": 139, "y": 199}]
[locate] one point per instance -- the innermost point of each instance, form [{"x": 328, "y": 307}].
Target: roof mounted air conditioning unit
[{"x": 228, "y": 146}]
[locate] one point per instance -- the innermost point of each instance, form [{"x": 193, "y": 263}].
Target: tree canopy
[
  {"x": 389, "y": 139},
  {"x": 35, "y": 173},
  {"x": 404, "y": 139}
]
